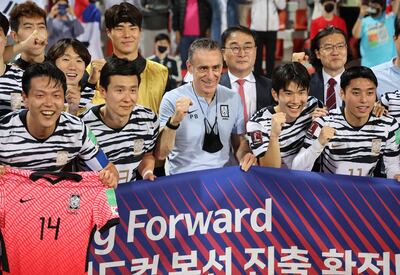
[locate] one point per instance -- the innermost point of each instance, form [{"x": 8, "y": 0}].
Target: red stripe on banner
[
  {"x": 163, "y": 259},
  {"x": 349, "y": 220},
  {"x": 178, "y": 236},
  {"x": 392, "y": 215},
  {"x": 371, "y": 229},
  {"x": 394, "y": 196},
  {"x": 342, "y": 232},
  {"x": 326, "y": 230},
  {"x": 276, "y": 224},
  {"x": 303, "y": 240},
  {"x": 225, "y": 238},
  {"x": 383, "y": 224}
]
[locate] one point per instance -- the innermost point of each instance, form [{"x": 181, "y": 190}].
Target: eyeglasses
[
  {"x": 329, "y": 48},
  {"x": 236, "y": 49}
]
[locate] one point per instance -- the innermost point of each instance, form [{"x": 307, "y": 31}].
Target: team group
[{"x": 62, "y": 111}]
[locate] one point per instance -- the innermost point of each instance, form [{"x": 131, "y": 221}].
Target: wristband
[
  {"x": 169, "y": 125},
  {"x": 147, "y": 172}
]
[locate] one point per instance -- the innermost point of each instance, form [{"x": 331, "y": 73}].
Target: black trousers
[{"x": 267, "y": 39}]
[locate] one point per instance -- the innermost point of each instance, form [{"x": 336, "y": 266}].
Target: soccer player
[
  {"x": 352, "y": 139},
  {"x": 10, "y": 76},
  {"x": 72, "y": 57},
  {"x": 42, "y": 137},
  {"x": 202, "y": 120},
  {"x": 276, "y": 133},
  {"x": 126, "y": 132}
]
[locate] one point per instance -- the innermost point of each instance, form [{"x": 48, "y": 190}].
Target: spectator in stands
[
  {"x": 276, "y": 133},
  {"x": 375, "y": 28},
  {"x": 265, "y": 21},
  {"x": 162, "y": 47},
  {"x": 201, "y": 120},
  {"x": 388, "y": 73},
  {"x": 351, "y": 140},
  {"x": 328, "y": 18},
  {"x": 191, "y": 19},
  {"x": 62, "y": 22},
  {"x": 155, "y": 21},
  {"x": 72, "y": 57},
  {"x": 239, "y": 52},
  {"x": 224, "y": 15}
]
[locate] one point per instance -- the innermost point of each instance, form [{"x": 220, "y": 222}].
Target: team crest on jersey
[
  {"x": 16, "y": 100},
  {"x": 224, "y": 110},
  {"x": 62, "y": 158},
  {"x": 138, "y": 145},
  {"x": 256, "y": 137},
  {"x": 74, "y": 202},
  {"x": 376, "y": 146}
]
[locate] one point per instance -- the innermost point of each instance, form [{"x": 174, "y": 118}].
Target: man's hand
[
  {"x": 277, "y": 122},
  {"x": 109, "y": 175},
  {"x": 32, "y": 42},
  {"x": 2, "y": 170},
  {"x": 397, "y": 177},
  {"x": 73, "y": 98},
  {"x": 247, "y": 161},
  {"x": 96, "y": 67},
  {"x": 181, "y": 108},
  {"x": 319, "y": 112},
  {"x": 300, "y": 57},
  {"x": 379, "y": 110},
  {"x": 148, "y": 175},
  {"x": 327, "y": 133}
]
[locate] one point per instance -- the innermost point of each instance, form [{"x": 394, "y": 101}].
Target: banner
[{"x": 265, "y": 221}]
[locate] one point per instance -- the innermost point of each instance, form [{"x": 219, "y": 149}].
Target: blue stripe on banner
[{"x": 267, "y": 221}]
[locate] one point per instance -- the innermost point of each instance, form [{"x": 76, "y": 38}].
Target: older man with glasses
[
  {"x": 239, "y": 52},
  {"x": 202, "y": 120}
]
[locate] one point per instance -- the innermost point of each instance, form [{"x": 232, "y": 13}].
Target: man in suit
[
  {"x": 328, "y": 56},
  {"x": 239, "y": 52}
]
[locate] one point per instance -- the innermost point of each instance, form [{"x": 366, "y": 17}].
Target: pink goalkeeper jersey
[{"x": 47, "y": 226}]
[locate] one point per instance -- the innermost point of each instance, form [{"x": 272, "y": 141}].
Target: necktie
[
  {"x": 330, "y": 95},
  {"x": 241, "y": 93}
]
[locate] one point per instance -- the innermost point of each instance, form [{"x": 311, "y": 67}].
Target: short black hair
[
  {"x": 162, "y": 36},
  {"x": 202, "y": 43},
  {"x": 43, "y": 69},
  {"x": 357, "y": 72},
  {"x": 117, "y": 66},
  {"x": 4, "y": 24},
  {"x": 315, "y": 44},
  {"x": 122, "y": 13},
  {"x": 396, "y": 26},
  {"x": 28, "y": 9},
  {"x": 228, "y": 32},
  {"x": 58, "y": 49},
  {"x": 290, "y": 72}
]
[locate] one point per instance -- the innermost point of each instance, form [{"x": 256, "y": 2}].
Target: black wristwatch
[{"x": 169, "y": 125}]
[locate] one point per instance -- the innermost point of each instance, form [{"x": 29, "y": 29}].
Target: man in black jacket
[{"x": 239, "y": 52}]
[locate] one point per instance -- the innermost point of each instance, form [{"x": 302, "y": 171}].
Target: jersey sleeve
[
  {"x": 167, "y": 109},
  {"x": 90, "y": 152},
  {"x": 154, "y": 134},
  {"x": 311, "y": 149},
  {"x": 258, "y": 135},
  {"x": 391, "y": 152},
  {"x": 105, "y": 211},
  {"x": 385, "y": 101},
  {"x": 239, "y": 127}
]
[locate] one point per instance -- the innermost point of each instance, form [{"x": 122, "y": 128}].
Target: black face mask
[
  {"x": 212, "y": 142},
  {"x": 329, "y": 7},
  {"x": 162, "y": 49}
]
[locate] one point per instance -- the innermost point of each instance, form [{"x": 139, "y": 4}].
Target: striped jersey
[
  {"x": 47, "y": 224},
  {"x": 391, "y": 101},
  {"x": 292, "y": 134},
  {"x": 70, "y": 139},
  {"x": 125, "y": 147},
  {"x": 87, "y": 94},
  {"x": 11, "y": 90},
  {"x": 352, "y": 150}
]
